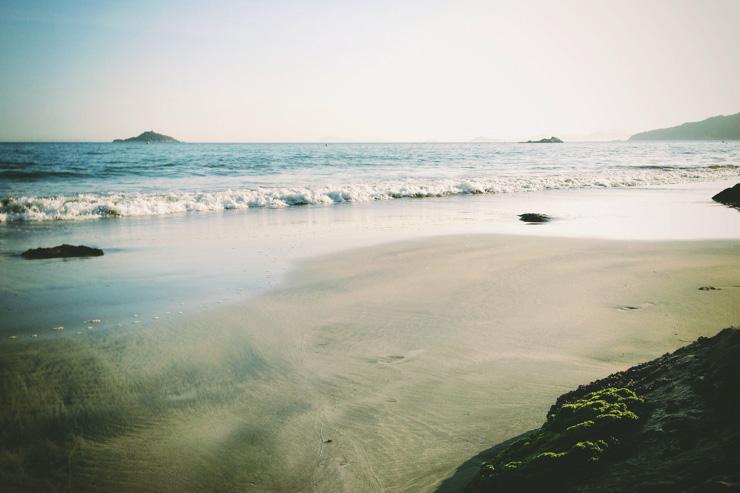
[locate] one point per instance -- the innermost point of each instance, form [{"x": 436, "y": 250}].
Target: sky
[{"x": 296, "y": 71}]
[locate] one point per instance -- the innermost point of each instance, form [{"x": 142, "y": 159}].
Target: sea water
[
  {"x": 189, "y": 227},
  {"x": 73, "y": 181}
]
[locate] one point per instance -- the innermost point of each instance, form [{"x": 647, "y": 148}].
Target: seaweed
[{"x": 571, "y": 443}]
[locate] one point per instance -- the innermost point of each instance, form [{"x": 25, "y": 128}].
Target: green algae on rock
[
  {"x": 669, "y": 424},
  {"x": 574, "y": 437}
]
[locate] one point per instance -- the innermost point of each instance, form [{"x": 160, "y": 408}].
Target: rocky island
[
  {"x": 666, "y": 425},
  {"x": 149, "y": 137},
  {"x": 551, "y": 140}
]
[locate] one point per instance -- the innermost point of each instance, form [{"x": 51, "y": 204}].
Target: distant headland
[
  {"x": 551, "y": 140},
  {"x": 715, "y": 128},
  {"x": 148, "y": 138}
]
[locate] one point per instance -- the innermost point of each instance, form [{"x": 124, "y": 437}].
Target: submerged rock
[
  {"x": 729, "y": 196},
  {"x": 666, "y": 425},
  {"x": 534, "y": 217},
  {"x": 62, "y": 251}
]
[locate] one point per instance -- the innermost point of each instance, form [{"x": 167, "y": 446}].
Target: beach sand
[{"x": 381, "y": 368}]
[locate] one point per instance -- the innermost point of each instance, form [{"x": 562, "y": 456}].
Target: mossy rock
[{"x": 570, "y": 444}]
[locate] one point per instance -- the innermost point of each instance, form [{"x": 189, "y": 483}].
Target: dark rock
[
  {"x": 534, "y": 217},
  {"x": 62, "y": 251},
  {"x": 709, "y": 288},
  {"x": 729, "y": 196},
  {"x": 551, "y": 140},
  {"x": 686, "y": 436}
]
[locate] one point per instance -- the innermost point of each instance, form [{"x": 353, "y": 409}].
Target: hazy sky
[{"x": 363, "y": 71}]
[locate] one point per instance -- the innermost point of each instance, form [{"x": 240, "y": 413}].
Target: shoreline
[
  {"x": 376, "y": 367},
  {"x": 161, "y": 266}
]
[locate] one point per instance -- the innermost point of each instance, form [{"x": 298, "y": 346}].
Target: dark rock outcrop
[
  {"x": 147, "y": 138},
  {"x": 666, "y": 425},
  {"x": 62, "y": 251},
  {"x": 551, "y": 140},
  {"x": 534, "y": 217},
  {"x": 729, "y": 196}
]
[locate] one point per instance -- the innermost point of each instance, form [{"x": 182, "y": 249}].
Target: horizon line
[{"x": 300, "y": 142}]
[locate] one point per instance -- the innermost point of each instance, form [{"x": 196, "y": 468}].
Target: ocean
[{"x": 73, "y": 181}]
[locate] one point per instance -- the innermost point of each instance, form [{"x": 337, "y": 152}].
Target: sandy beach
[
  {"x": 379, "y": 368},
  {"x": 397, "y": 247}
]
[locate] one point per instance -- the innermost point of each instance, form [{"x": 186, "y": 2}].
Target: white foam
[{"x": 95, "y": 206}]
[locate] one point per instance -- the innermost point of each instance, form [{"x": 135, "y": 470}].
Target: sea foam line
[{"x": 95, "y": 206}]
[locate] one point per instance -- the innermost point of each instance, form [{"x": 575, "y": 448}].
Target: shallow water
[{"x": 379, "y": 369}]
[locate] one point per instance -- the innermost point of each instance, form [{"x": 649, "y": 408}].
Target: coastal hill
[
  {"x": 666, "y": 425},
  {"x": 715, "y": 128},
  {"x": 148, "y": 138}
]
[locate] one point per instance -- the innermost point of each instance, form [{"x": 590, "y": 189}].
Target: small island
[
  {"x": 551, "y": 140},
  {"x": 149, "y": 137}
]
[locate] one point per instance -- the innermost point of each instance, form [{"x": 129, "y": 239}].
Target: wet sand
[
  {"x": 191, "y": 262},
  {"x": 382, "y": 368}
]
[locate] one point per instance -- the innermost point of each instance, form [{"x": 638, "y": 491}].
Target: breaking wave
[{"x": 104, "y": 205}]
